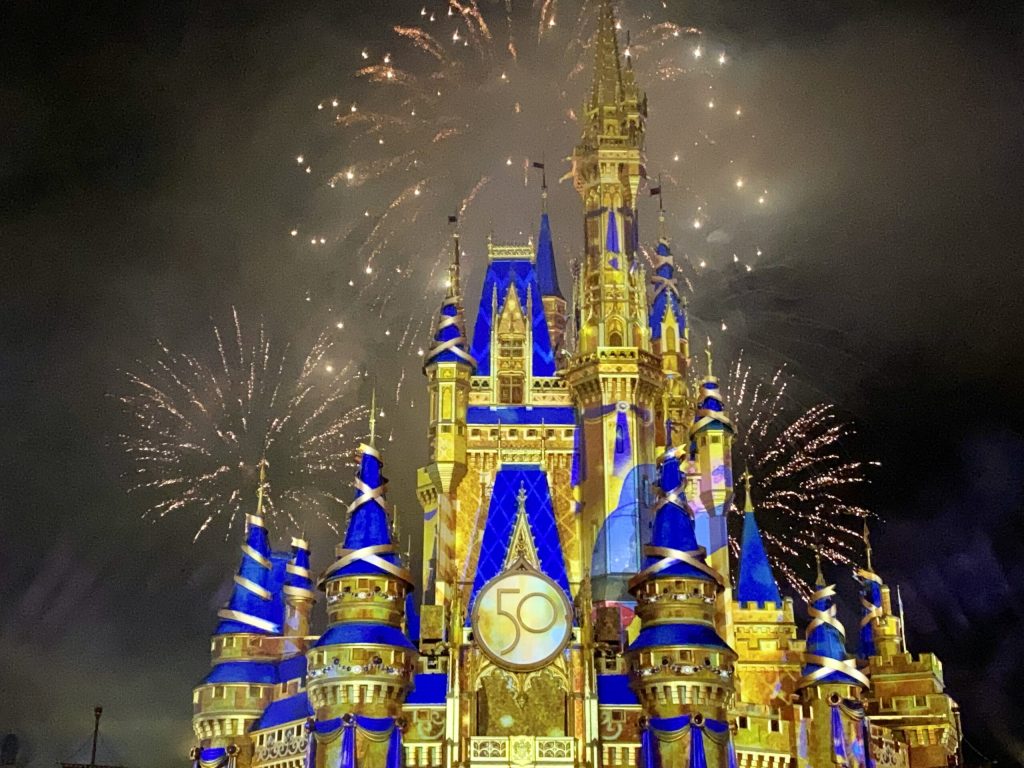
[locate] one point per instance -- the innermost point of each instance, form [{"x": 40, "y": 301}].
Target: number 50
[{"x": 516, "y": 615}]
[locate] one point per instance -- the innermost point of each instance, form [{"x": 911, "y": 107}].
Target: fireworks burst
[
  {"x": 203, "y": 424},
  {"x": 803, "y": 477},
  {"x": 449, "y": 114}
]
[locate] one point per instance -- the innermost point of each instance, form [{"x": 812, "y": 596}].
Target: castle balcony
[{"x": 512, "y": 751}]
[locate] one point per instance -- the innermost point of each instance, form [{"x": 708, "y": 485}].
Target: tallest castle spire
[{"x": 613, "y": 354}]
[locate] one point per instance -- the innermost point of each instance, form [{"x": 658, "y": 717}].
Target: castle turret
[
  {"x": 710, "y": 485},
  {"x": 547, "y": 277},
  {"x": 361, "y": 668},
  {"x": 680, "y": 667},
  {"x": 908, "y": 690},
  {"x": 615, "y": 378},
  {"x": 831, "y": 686},
  {"x": 298, "y": 599},
  {"x": 765, "y": 638},
  {"x": 448, "y": 368},
  {"x": 244, "y": 651}
]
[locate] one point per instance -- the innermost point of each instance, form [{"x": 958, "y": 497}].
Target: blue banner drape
[
  {"x": 838, "y": 737},
  {"x": 348, "y": 747}
]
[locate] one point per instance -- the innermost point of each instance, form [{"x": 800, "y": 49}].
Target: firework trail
[
  {"x": 803, "y": 477},
  {"x": 202, "y": 424}
]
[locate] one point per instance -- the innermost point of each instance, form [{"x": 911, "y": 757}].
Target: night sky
[{"x": 148, "y": 184}]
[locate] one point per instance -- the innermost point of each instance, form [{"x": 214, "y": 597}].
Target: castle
[{"x": 578, "y": 605}]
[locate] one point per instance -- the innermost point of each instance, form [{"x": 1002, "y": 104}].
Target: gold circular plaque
[{"x": 522, "y": 620}]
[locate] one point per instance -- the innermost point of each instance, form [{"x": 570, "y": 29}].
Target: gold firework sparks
[
  {"x": 202, "y": 423},
  {"x": 804, "y": 475}
]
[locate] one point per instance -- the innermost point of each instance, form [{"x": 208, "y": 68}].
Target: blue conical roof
[
  {"x": 826, "y": 657},
  {"x": 710, "y": 410},
  {"x": 673, "y": 527},
  {"x": 450, "y": 337},
  {"x": 547, "y": 274},
  {"x": 298, "y": 581},
  {"x": 368, "y": 525},
  {"x": 252, "y": 607},
  {"x": 871, "y": 608},
  {"x": 673, "y": 530},
  {"x": 756, "y": 580},
  {"x": 666, "y": 292}
]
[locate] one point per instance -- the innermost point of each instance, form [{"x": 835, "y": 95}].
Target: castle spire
[
  {"x": 826, "y": 660},
  {"x": 362, "y": 665},
  {"x": 871, "y": 602},
  {"x": 251, "y": 607},
  {"x": 606, "y": 90},
  {"x": 756, "y": 582},
  {"x": 450, "y": 334},
  {"x": 675, "y": 594},
  {"x": 368, "y": 546}
]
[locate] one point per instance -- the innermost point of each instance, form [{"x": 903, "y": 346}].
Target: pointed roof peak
[
  {"x": 756, "y": 583},
  {"x": 450, "y": 343},
  {"x": 826, "y": 658},
  {"x": 547, "y": 271},
  {"x": 607, "y": 89},
  {"x": 673, "y": 549},
  {"x": 251, "y": 607},
  {"x": 710, "y": 407},
  {"x": 369, "y": 547},
  {"x": 298, "y": 581}
]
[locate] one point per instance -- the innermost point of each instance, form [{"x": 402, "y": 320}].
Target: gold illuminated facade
[{"x": 578, "y": 604}]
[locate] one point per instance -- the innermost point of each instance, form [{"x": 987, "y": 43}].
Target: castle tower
[
  {"x": 670, "y": 336},
  {"x": 765, "y": 638},
  {"x": 680, "y": 667},
  {"x": 244, "y": 651},
  {"x": 298, "y": 599},
  {"x": 908, "y": 691},
  {"x": 448, "y": 368},
  {"x": 710, "y": 484},
  {"x": 831, "y": 721},
  {"x": 362, "y": 667},
  {"x": 547, "y": 276},
  {"x": 615, "y": 379}
]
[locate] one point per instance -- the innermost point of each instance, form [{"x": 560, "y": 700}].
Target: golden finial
[
  {"x": 373, "y": 417},
  {"x": 521, "y": 498},
  {"x": 707, "y": 353},
  {"x": 819, "y": 579},
  {"x": 261, "y": 489},
  {"x": 453, "y": 266},
  {"x": 746, "y": 477},
  {"x": 867, "y": 544},
  {"x": 394, "y": 523}
]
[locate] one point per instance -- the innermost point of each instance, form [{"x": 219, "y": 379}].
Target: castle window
[
  {"x": 742, "y": 722},
  {"x": 510, "y": 347},
  {"x": 615, "y": 339},
  {"x": 774, "y": 726},
  {"x": 510, "y": 389},
  {"x": 920, "y": 701}
]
